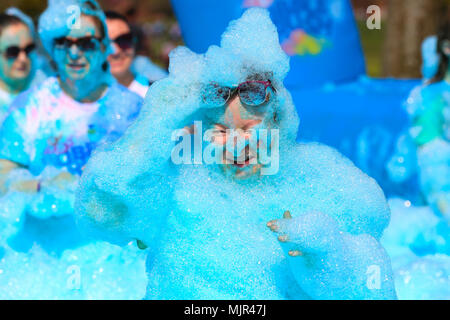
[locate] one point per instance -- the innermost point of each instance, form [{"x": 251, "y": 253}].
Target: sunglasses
[
  {"x": 84, "y": 43},
  {"x": 251, "y": 93},
  {"x": 125, "y": 41},
  {"x": 14, "y": 51}
]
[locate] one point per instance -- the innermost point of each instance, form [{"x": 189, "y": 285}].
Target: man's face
[
  {"x": 122, "y": 58},
  {"x": 15, "y": 68},
  {"x": 236, "y": 132},
  {"x": 80, "y": 54}
]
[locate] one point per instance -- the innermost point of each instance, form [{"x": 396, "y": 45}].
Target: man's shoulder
[
  {"x": 117, "y": 88},
  {"x": 319, "y": 153},
  {"x": 120, "y": 100},
  {"x": 331, "y": 164},
  {"x": 326, "y": 161},
  {"x": 122, "y": 95},
  {"x": 38, "y": 92},
  {"x": 49, "y": 83}
]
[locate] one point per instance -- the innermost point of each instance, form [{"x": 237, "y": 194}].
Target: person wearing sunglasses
[
  {"x": 429, "y": 108},
  {"x": 122, "y": 60},
  {"x": 55, "y": 126},
  {"x": 123, "y": 42},
  {"x": 242, "y": 108},
  {"x": 17, "y": 50},
  {"x": 246, "y": 225}
]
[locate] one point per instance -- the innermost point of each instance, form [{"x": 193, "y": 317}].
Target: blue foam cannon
[{"x": 337, "y": 103}]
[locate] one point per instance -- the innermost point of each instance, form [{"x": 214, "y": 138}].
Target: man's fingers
[
  {"x": 287, "y": 215},
  {"x": 272, "y": 225},
  {"x": 283, "y": 238},
  {"x": 295, "y": 253}
]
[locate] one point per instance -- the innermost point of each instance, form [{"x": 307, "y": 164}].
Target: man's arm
[{"x": 125, "y": 191}]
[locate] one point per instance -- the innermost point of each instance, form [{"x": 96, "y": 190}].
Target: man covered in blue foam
[
  {"x": 239, "y": 211},
  {"x": 53, "y": 127}
]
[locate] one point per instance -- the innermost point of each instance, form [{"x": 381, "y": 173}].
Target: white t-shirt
[
  {"x": 138, "y": 88},
  {"x": 47, "y": 127}
]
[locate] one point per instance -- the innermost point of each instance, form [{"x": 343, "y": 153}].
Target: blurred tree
[
  {"x": 33, "y": 8},
  {"x": 371, "y": 39},
  {"x": 409, "y": 22}
]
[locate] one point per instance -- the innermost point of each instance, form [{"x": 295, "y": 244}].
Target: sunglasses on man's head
[
  {"x": 14, "y": 51},
  {"x": 251, "y": 93},
  {"x": 84, "y": 43},
  {"x": 125, "y": 41}
]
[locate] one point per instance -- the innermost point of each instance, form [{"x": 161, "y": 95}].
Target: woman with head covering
[
  {"x": 17, "y": 52},
  {"x": 429, "y": 109},
  {"x": 53, "y": 127}
]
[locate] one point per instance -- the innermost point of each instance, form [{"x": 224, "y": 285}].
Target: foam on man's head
[
  {"x": 249, "y": 45},
  {"x": 254, "y": 40},
  {"x": 249, "y": 50}
]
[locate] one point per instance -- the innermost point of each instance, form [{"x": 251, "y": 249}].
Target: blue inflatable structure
[{"x": 320, "y": 36}]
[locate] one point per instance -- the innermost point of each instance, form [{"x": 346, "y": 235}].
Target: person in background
[
  {"x": 124, "y": 46},
  {"x": 17, "y": 53},
  {"x": 44, "y": 67},
  {"x": 429, "y": 110},
  {"x": 427, "y": 104},
  {"x": 54, "y": 127}
]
